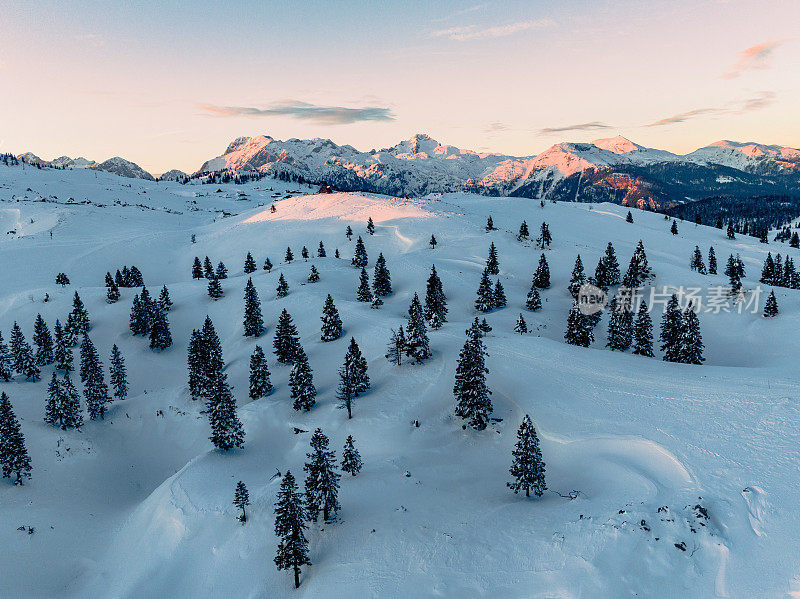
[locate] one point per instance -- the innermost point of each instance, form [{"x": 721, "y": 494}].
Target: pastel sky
[{"x": 169, "y": 85}]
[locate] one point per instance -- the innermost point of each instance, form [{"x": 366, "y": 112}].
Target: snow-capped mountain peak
[{"x": 618, "y": 145}]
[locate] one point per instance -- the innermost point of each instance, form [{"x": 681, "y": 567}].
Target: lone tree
[
  {"x": 360, "y": 254},
  {"x": 283, "y": 287},
  {"x": 268, "y": 265},
  {"x": 674, "y": 228},
  {"x": 435, "y": 299},
  {"x": 629, "y": 218},
  {"x": 117, "y": 375},
  {"x": 253, "y": 321},
  {"x": 322, "y": 480},
  {"x": 370, "y": 226},
  {"x": 62, "y": 279},
  {"x": 492, "y": 264},
  {"x": 290, "y": 522},
  {"x": 499, "y": 295},
  {"x": 241, "y": 498},
  {"x": 364, "y": 294},
  {"x": 521, "y": 326},
  {"x": 160, "y": 337},
  {"x": 533, "y": 302},
  {"x": 353, "y": 377},
  {"x": 249, "y": 264},
  {"x": 14, "y": 458},
  {"x": 433, "y": 242},
  {"x": 214, "y": 288},
  {"x": 396, "y": 347},
  {"x": 417, "y": 344},
  {"x": 527, "y": 467},
  {"x": 382, "y": 280},
  {"x": 289, "y": 256},
  {"x": 490, "y": 224},
  {"x": 321, "y": 253},
  {"x": 226, "y": 428},
  {"x": 260, "y": 384},
  {"x": 473, "y": 402},
  {"x": 771, "y": 307},
  {"x": 484, "y": 302},
  {"x": 313, "y": 274},
  {"x": 351, "y": 459},
  {"x": 348, "y": 233},
  {"x": 331, "y": 322},
  {"x": 671, "y": 330},
  {"x": 643, "y": 332},
  {"x": 301, "y": 383},
  {"x": 541, "y": 278},
  {"x": 523, "y": 231},
  {"x": 286, "y": 342},
  {"x": 545, "y": 238},
  {"x": 222, "y": 271},
  {"x": 579, "y": 329}
]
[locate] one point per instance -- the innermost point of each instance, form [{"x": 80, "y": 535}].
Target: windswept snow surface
[{"x": 140, "y": 505}]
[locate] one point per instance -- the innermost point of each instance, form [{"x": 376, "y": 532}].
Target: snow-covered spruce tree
[
  {"x": 126, "y": 277},
  {"x": 321, "y": 253},
  {"x": 533, "y": 302},
  {"x": 253, "y": 321},
  {"x": 396, "y": 348},
  {"x": 94, "y": 387},
  {"x": 351, "y": 459},
  {"x": 260, "y": 384},
  {"x": 6, "y": 360},
  {"x": 523, "y": 231},
  {"x": 197, "y": 269},
  {"x": 382, "y": 280},
  {"x": 527, "y": 467},
  {"x": 226, "y": 428},
  {"x": 696, "y": 263},
  {"x": 643, "y": 332},
  {"x": 160, "y": 337},
  {"x": 545, "y": 238},
  {"x": 712, "y": 261},
  {"x": 249, "y": 264},
  {"x": 499, "y": 295},
  {"x": 577, "y": 279},
  {"x": 600, "y": 277},
  {"x": 301, "y": 383},
  {"x": 322, "y": 480},
  {"x": 313, "y": 275},
  {"x": 691, "y": 348},
  {"x": 213, "y": 362},
  {"x": 268, "y": 265},
  {"x": 71, "y": 413},
  {"x": 214, "y": 288},
  {"x": 731, "y": 233},
  {"x": 360, "y": 254},
  {"x": 768, "y": 270},
  {"x": 22, "y": 359},
  {"x": 611, "y": 266},
  {"x": 353, "y": 377},
  {"x": 304, "y": 253},
  {"x": 435, "y": 299},
  {"x": 44, "y": 342},
  {"x": 282, "y": 290},
  {"x": 80, "y": 315},
  {"x": 473, "y": 401},
  {"x": 521, "y": 326},
  {"x": 490, "y": 224},
  {"x": 117, "y": 374},
  {"x": 208, "y": 268},
  {"x": 52, "y": 407},
  {"x": 771, "y": 307},
  {"x": 638, "y": 268},
  {"x": 62, "y": 352},
  {"x": 734, "y": 274},
  {"x": 331, "y": 322},
  {"x": 136, "y": 279},
  {"x": 370, "y": 226},
  {"x": 364, "y": 294},
  {"x": 484, "y": 302},
  {"x": 164, "y": 301},
  {"x": 289, "y": 255},
  {"x": 579, "y": 329},
  {"x": 541, "y": 278},
  {"x": 138, "y": 319},
  {"x": 62, "y": 279},
  {"x": 629, "y": 218},
  {"x": 241, "y": 499},
  {"x": 674, "y": 228},
  {"x": 417, "y": 343},
  {"x": 14, "y": 459},
  {"x": 196, "y": 364},
  {"x": 286, "y": 341},
  {"x": 433, "y": 242},
  {"x": 671, "y": 330},
  {"x": 290, "y": 522},
  {"x": 112, "y": 295},
  {"x": 492, "y": 264},
  {"x": 222, "y": 271},
  {"x": 70, "y": 336},
  {"x": 348, "y": 233}
]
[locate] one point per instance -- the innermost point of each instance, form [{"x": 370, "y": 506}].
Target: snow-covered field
[{"x": 139, "y": 505}]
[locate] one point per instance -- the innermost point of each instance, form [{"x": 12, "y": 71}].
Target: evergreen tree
[
  {"x": 126, "y": 277},
  {"x": 43, "y": 341},
  {"x": 222, "y": 271},
  {"x": 195, "y": 362},
  {"x": 226, "y": 428},
  {"x": 249, "y": 264},
  {"x": 52, "y": 407},
  {"x": 396, "y": 347},
  {"x": 638, "y": 269},
  {"x": 578, "y": 278},
  {"x": 620, "y": 325},
  {"x": 304, "y": 253},
  {"x": 579, "y": 328},
  {"x": 322, "y": 480},
  {"x": 260, "y": 384},
  {"x": 109, "y": 279},
  {"x": 62, "y": 279},
  {"x": 268, "y": 265},
  {"x": 545, "y": 238},
  {"x": 137, "y": 321},
  {"x": 712, "y": 261},
  {"x": 289, "y": 255},
  {"x": 353, "y": 378},
  {"x": 68, "y": 408},
  {"x": 691, "y": 341},
  {"x": 674, "y": 228},
  {"x": 672, "y": 330},
  {"x": 643, "y": 332},
  {"x": 435, "y": 299},
  {"x": 331, "y": 322},
  {"x": 22, "y": 359},
  {"x": 490, "y": 224},
  {"x": 94, "y": 387},
  {"x": 499, "y": 295},
  {"x": 364, "y": 294},
  {"x": 523, "y": 231},
  {"x": 485, "y": 300},
  {"x": 731, "y": 234},
  {"x": 360, "y": 255},
  {"x": 417, "y": 343},
  {"x": 136, "y": 278},
  {"x": 541, "y": 278},
  {"x": 528, "y": 466},
  {"x": 253, "y": 321},
  {"x": 370, "y": 226},
  {"x": 321, "y": 253},
  {"x": 492, "y": 265},
  {"x": 533, "y": 302},
  {"x": 117, "y": 374},
  {"x": 696, "y": 262},
  {"x": 301, "y": 383},
  {"x": 214, "y": 288},
  {"x": 771, "y": 307},
  {"x": 349, "y": 233},
  {"x": 164, "y": 301},
  {"x": 767, "y": 271},
  {"x": 197, "y": 269},
  {"x": 287, "y": 341},
  {"x": 521, "y": 326},
  {"x": 336, "y": 253},
  {"x": 14, "y": 458},
  {"x": 80, "y": 315},
  {"x": 241, "y": 499},
  {"x": 6, "y": 360},
  {"x": 160, "y": 337},
  {"x": 382, "y": 280},
  {"x": 611, "y": 267},
  {"x": 290, "y": 522},
  {"x": 473, "y": 401},
  {"x": 313, "y": 275},
  {"x": 351, "y": 459},
  {"x": 208, "y": 268},
  {"x": 63, "y": 352},
  {"x": 629, "y": 218},
  {"x": 283, "y": 287},
  {"x": 433, "y": 242},
  {"x": 112, "y": 295}
]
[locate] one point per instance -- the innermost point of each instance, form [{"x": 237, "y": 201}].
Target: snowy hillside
[{"x": 664, "y": 479}]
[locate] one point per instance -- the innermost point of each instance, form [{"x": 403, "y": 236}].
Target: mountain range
[{"x": 612, "y": 169}]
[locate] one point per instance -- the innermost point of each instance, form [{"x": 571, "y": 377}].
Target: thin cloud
[
  {"x": 473, "y": 32},
  {"x": 495, "y": 127},
  {"x": 592, "y": 126},
  {"x": 321, "y": 115},
  {"x": 758, "y": 102},
  {"x": 754, "y": 58}
]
